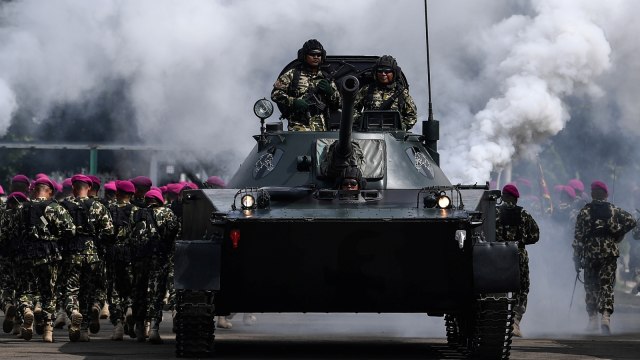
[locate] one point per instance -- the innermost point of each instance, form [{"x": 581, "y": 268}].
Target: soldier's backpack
[
  {"x": 600, "y": 213},
  {"x": 146, "y": 239},
  {"x": 121, "y": 216},
  {"x": 511, "y": 217},
  {"x": 84, "y": 229},
  {"x": 33, "y": 224}
]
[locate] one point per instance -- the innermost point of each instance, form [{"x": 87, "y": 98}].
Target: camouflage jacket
[
  {"x": 600, "y": 226},
  {"x": 8, "y": 228},
  {"x": 40, "y": 236},
  {"x": 369, "y": 98},
  {"x": 156, "y": 238},
  {"x": 122, "y": 226},
  {"x": 513, "y": 223},
  {"x": 99, "y": 228},
  {"x": 314, "y": 119}
]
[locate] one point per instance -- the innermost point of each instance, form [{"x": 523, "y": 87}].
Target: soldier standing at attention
[
  {"x": 81, "y": 259},
  {"x": 386, "y": 93},
  {"x": 600, "y": 226},
  {"x": 42, "y": 223},
  {"x": 305, "y": 95},
  {"x": 513, "y": 223}
]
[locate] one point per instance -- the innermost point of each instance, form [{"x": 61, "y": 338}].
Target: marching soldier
[
  {"x": 81, "y": 259},
  {"x": 42, "y": 223},
  {"x": 142, "y": 185},
  {"x": 305, "y": 95},
  {"x": 600, "y": 226},
  {"x": 152, "y": 238},
  {"x": 513, "y": 223},
  {"x": 387, "y": 93}
]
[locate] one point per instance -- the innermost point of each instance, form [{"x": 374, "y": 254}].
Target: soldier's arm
[
  {"x": 103, "y": 222},
  {"x": 279, "y": 93},
  {"x": 410, "y": 111},
  {"x": 61, "y": 221},
  {"x": 335, "y": 100},
  {"x": 579, "y": 234},
  {"x": 532, "y": 231},
  {"x": 625, "y": 220},
  {"x": 358, "y": 104}
]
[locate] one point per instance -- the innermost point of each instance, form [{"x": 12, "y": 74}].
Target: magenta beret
[
  {"x": 66, "y": 183},
  {"x": 599, "y": 185},
  {"x": 94, "y": 180},
  {"x": 81, "y": 178},
  {"x": 174, "y": 188},
  {"x": 215, "y": 180},
  {"x": 39, "y": 175},
  {"x": 22, "y": 179},
  {"x": 511, "y": 190},
  {"x": 46, "y": 181},
  {"x": 524, "y": 182},
  {"x": 18, "y": 196},
  {"x": 190, "y": 185},
  {"x": 569, "y": 191},
  {"x": 154, "y": 194},
  {"x": 141, "y": 181},
  {"x": 1, "y": 190},
  {"x": 163, "y": 189},
  {"x": 110, "y": 186},
  {"x": 576, "y": 184},
  {"x": 125, "y": 186}
]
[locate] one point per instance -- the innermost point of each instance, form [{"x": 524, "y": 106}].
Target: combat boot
[
  {"x": 516, "y": 328},
  {"x": 249, "y": 319},
  {"x": 26, "y": 330},
  {"x": 74, "y": 328},
  {"x": 47, "y": 335},
  {"x": 605, "y": 323},
  {"x": 593, "y": 323},
  {"x": 118, "y": 332},
  {"x": 84, "y": 335},
  {"x": 9, "y": 318},
  {"x": 39, "y": 320},
  {"x": 94, "y": 325},
  {"x": 104, "y": 313},
  {"x": 61, "y": 320},
  {"x": 223, "y": 323},
  {"x": 140, "y": 331},
  {"x": 154, "y": 334}
]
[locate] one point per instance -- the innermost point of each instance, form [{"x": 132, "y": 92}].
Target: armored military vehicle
[{"x": 282, "y": 237}]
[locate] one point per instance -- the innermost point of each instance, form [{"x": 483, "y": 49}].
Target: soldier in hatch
[
  {"x": 386, "y": 93},
  {"x": 305, "y": 95}
]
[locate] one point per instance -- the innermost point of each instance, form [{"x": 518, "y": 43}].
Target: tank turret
[{"x": 342, "y": 151}]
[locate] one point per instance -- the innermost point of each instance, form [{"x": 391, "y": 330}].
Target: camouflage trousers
[
  {"x": 120, "y": 285},
  {"x": 150, "y": 277},
  {"x": 599, "y": 280},
  {"x": 521, "y": 296},
  {"x": 7, "y": 282},
  {"x": 37, "y": 284},
  {"x": 82, "y": 280}
]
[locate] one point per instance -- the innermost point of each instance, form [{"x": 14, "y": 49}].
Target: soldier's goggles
[
  {"x": 349, "y": 182},
  {"x": 384, "y": 70}
]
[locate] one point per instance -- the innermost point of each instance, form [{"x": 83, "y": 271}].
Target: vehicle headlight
[
  {"x": 248, "y": 202},
  {"x": 263, "y": 108},
  {"x": 444, "y": 202}
]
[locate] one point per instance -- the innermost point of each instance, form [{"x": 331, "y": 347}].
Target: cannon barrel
[{"x": 349, "y": 86}]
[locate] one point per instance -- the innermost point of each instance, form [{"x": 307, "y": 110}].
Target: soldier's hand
[
  {"x": 325, "y": 87},
  {"x": 300, "y": 105}
]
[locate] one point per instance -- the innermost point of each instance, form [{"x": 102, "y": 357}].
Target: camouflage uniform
[
  {"x": 513, "y": 223},
  {"x": 8, "y": 223},
  {"x": 81, "y": 257},
  {"x": 119, "y": 264},
  {"x": 42, "y": 224},
  {"x": 152, "y": 238},
  {"x": 600, "y": 226},
  {"x": 372, "y": 97},
  {"x": 314, "y": 119}
]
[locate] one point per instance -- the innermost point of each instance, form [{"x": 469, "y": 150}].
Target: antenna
[{"x": 426, "y": 26}]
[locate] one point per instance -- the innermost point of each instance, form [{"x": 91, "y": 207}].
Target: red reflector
[{"x": 235, "y": 237}]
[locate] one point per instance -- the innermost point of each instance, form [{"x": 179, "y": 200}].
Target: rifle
[
  {"x": 315, "y": 101},
  {"x": 575, "y": 283}
]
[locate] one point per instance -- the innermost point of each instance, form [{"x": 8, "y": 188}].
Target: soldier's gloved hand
[
  {"x": 325, "y": 87},
  {"x": 300, "y": 105}
]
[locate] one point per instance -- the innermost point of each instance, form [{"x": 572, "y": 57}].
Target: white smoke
[
  {"x": 8, "y": 106},
  {"x": 537, "y": 62}
]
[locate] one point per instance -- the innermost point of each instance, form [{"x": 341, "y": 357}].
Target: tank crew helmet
[
  {"x": 387, "y": 62},
  {"x": 351, "y": 177},
  {"x": 311, "y": 46}
]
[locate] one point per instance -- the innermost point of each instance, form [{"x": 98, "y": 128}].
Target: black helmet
[
  {"x": 387, "y": 61},
  {"x": 352, "y": 172},
  {"x": 310, "y": 45}
]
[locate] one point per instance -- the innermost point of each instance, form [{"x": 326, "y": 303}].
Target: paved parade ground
[{"x": 334, "y": 336}]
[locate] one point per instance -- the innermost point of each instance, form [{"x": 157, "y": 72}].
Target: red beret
[
  {"x": 110, "y": 186},
  {"x": 95, "y": 181},
  {"x": 22, "y": 179},
  {"x": 141, "y": 181},
  {"x": 125, "y": 186},
  {"x": 45, "y": 180},
  {"x": 576, "y": 184},
  {"x": 599, "y": 185},
  {"x": 511, "y": 190},
  {"x": 16, "y": 195},
  {"x": 81, "y": 178},
  {"x": 215, "y": 180},
  {"x": 154, "y": 194}
]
